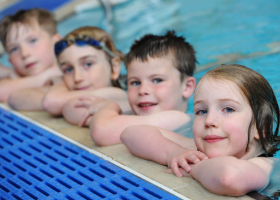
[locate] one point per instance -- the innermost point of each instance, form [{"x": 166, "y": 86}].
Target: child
[
  {"x": 159, "y": 73},
  {"x": 28, "y": 37},
  {"x": 90, "y": 65},
  {"x": 233, "y": 131}
]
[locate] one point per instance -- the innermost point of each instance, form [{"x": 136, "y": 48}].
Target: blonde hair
[
  {"x": 97, "y": 34},
  {"x": 44, "y": 18}
]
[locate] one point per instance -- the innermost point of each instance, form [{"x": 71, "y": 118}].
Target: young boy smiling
[
  {"x": 159, "y": 72},
  {"x": 28, "y": 37}
]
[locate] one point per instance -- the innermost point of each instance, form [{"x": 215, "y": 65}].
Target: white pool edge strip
[{"x": 93, "y": 151}]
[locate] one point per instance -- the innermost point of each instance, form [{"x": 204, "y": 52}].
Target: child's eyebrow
[
  {"x": 63, "y": 63},
  {"x": 87, "y": 56},
  {"x": 229, "y": 100},
  {"x": 222, "y": 100},
  {"x": 197, "y": 102}
]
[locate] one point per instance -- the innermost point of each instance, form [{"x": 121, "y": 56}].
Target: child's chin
[{"x": 214, "y": 154}]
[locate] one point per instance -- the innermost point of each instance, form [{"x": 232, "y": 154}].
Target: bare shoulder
[{"x": 264, "y": 163}]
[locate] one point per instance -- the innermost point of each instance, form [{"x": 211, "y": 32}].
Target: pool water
[{"x": 221, "y": 31}]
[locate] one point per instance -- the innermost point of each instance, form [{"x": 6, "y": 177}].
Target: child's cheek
[{"x": 237, "y": 132}]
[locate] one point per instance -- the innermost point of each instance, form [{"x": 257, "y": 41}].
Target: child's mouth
[
  {"x": 213, "y": 138},
  {"x": 30, "y": 65},
  {"x": 146, "y": 106},
  {"x": 83, "y": 88},
  {"x": 141, "y": 105}
]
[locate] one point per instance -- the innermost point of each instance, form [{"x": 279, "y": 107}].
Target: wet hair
[
  {"x": 261, "y": 98},
  {"x": 97, "y": 34},
  {"x": 101, "y": 36},
  {"x": 43, "y": 17},
  {"x": 154, "y": 46}
]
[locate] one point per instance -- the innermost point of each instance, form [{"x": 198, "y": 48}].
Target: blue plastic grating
[{"x": 35, "y": 164}]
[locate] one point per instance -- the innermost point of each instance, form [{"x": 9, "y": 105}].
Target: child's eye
[
  {"x": 88, "y": 64},
  {"x": 33, "y": 40},
  {"x": 228, "y": 110},
  {"x": 12, "y": 50},
  {"x": 67, "y": 70},
  {"x": 201, "y": 112},
  {"x": 135, "y": 83},
  {"x": 157, "y": 80}
]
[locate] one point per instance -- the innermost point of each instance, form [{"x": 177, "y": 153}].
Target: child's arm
[
  {"x": 7, "y": 72},
  {"x": 161, "y": 146},
  {"x": 58, "y": 95},
  {"x": 231, "y": 176},
  {"x": 74, "y": 114},
  {"x": 28, "y": 99},
  {"x": 107, "y": 123},
  {"x": 7, "y": 85}
]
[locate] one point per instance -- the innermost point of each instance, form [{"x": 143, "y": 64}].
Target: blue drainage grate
[{"x": 35, "y": 164}]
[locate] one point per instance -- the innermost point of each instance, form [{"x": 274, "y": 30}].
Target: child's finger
[
  {"x": 84, "y": 118},
  {"x": 192, "y": 159},
  {"x": 201, "y": 155},
  {"x": 187, "y": 174},
  {"x": 83, "y": 103},
  {"x": 184, "y": 164},
  {"x": 175, "y": 169}
]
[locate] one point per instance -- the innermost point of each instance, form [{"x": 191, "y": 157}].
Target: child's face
[
  {"x": 155, "y": 86},
  {"x": 84, "y": 68},
  {"x": 30, "y": 49},
  {"x": 222, "y": 118}
]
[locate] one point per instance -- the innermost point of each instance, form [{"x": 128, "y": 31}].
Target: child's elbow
[
  {"x": 229, "y": 183},
  {"x": 50, "y": 105},
  {"x": 13, "y": 101},
  {"x": 99, "y": 139},
  {"x": 101, "y": 134},
  {"x": 127, "y": 134},
  {"x": 3, "y": 97},
  {"x": 98, "y": 135}
]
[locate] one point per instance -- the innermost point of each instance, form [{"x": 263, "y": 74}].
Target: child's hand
[
  {"x": 180, "y": 162},
  {"x": 93, "y": 104},
  {"x": 183, "y": 172}
]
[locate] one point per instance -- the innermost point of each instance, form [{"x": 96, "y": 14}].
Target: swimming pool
[{"x": 220, "y": 31}]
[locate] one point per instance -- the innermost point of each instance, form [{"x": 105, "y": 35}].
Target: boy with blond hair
[
  {"x": 28, "y": 37},
  {"x": 159, "y": 73}
]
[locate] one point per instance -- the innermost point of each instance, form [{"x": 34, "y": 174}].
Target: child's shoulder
[
  {"x": 272, "y": 167},
  {"x": 265, "y": 163}
]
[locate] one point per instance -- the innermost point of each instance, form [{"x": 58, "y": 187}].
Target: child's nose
[
  {"x": 143, "y": 89},
  {"x": 78, "y": 76},
  {"x": 211, "y": 120},
  {"x": 25, "y": 51}
]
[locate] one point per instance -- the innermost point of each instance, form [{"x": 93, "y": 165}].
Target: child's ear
[
  {"x": 189, "y": 85},
  {"x": 256, "y": 134},
  {"x": 56, "y": 37},
  {"x": 116, "y": 68}
]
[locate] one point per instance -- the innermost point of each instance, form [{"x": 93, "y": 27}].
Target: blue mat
[{"x": 35, "y": 164}]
